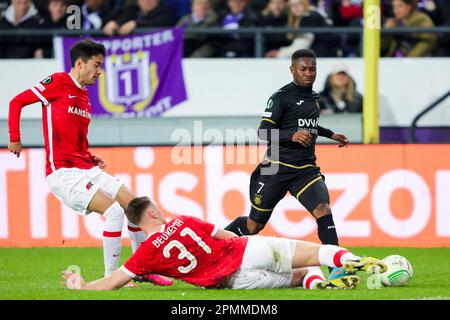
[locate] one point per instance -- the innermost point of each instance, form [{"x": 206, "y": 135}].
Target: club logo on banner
[{"x": 142, "y": 74}]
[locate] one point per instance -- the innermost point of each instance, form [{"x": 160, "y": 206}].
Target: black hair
[
  {"x": 303, "y": 53},
  {"x": 412, "y": 3},
  {"x": 136, "y": 209},
  {"x": 86, "y": 49}
]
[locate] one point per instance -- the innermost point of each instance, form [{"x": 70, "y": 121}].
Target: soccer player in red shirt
[
  {"x": 76, "y": 176},
  {"x": 199, "y": 253}
]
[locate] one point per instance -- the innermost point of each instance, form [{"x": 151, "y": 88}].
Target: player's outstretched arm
[
  {"x": 341, "y": 139},
  {"x": 338, "y": 137},
  {"x": 23, "y": 99},
  {"x": 115, "y": 280},
  {"x": 324, "y": 132}
]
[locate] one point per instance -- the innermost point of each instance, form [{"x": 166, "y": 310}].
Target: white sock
[
  {"x": 112, "y": 242},
  {"x": 313, "y": 276},
  {"x": 137, "y": 236},
  {"x": 334, "y": 256}
]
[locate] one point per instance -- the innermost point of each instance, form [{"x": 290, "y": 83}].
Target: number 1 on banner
[{"x": 126, "y": 77}]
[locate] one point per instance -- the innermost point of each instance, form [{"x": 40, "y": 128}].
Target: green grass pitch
[{"x": 34, "y": 273}]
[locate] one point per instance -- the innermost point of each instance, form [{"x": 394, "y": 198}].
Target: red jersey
[
  {"x": 66, "y": 113},
  {"x": 185, "y": 249}
]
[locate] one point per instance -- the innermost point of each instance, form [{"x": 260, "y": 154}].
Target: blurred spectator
[
  {"x": 350, "y": 10},
  {"x": 274, "y": 16},
  {"x": 21, "y": 14},
  {"x": 343, "y": 11},
  {"x": 202, "y": 16},
  {"x": 218, "y": 5},
  {"x": 258, "y": 5},
  {"x": 146, "y": 14},
  {"x": 254, "y": 5},
  {"x": 116, "y": 6},
  {"x": 339, "y": 94},
  {"x": 302, "y": 14},
  {"x": 350, "y": 14},
  {"x": 431, "y": 8},
  {"x": 57, "y": 14},
  {"x": 236, "y": 16},
  {"x": 324, "y": 7},
  {"x": 444, "y": 43},
  {"x": 56, "y": 19},
  {"x": 42, "y": 7},
  {"x": 95, "y": 14},
  {"x": 179, "y": 8},
  {"x": 3, "y": 5},
  {"x": 408, "y": 45},
  {"x": 351, "y": 43}
]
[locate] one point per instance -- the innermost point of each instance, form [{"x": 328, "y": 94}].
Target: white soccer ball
[{"x": 399, "y": 271}]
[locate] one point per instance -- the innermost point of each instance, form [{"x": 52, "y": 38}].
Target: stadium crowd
[{"x": 121, "y": 17}]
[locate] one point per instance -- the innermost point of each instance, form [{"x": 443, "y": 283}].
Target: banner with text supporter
[
  {"x": 381, "y": 195},
  {"x": 142, "y": 73}
]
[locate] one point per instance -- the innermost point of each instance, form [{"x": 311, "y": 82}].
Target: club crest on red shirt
[{"x": 47, "y": 80}]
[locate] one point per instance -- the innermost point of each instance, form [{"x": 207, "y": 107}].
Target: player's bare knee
[
  {"x": 124, "y": 196},
  {"x": 100, "y": 202},
  {"x": 254, "y": 227},
  {"x": 321, "y": 210}
]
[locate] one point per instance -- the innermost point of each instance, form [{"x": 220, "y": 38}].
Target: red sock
[
  {"x": 313, "y": 276},
  {"x": 333, "y": 256}
]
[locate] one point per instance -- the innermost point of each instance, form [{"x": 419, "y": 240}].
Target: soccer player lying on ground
[
  {"x": 199, "y": 253},
  {"x": 76, "y": 176}
]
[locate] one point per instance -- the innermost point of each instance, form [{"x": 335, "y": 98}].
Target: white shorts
[
  {"x": 267, "y": 264},
  {"x": 76, "y": 187}
]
